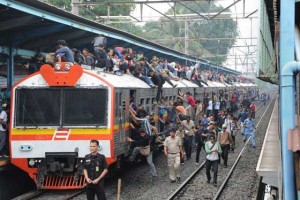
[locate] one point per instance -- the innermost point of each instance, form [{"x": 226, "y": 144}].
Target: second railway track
[{"x": 188, "y": 186}]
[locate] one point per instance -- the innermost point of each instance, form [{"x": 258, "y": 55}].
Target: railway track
[
  {"x": 48, "y": 193},
  {"x": 181, "y": 188}
]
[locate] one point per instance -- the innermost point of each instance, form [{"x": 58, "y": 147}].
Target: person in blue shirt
[
  {"x": 63, "y": 53},
  {"x": 242, "y": 116},
  {"x": 249, "y": 129}
]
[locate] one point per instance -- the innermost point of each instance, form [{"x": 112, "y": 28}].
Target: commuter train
[{"x": 56, "y": 111}]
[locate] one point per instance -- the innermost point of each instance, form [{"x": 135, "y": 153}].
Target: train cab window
[{"x": 61, "y": 107}]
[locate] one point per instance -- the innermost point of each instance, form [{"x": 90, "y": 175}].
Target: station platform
[{"x": 269, "y": 162}]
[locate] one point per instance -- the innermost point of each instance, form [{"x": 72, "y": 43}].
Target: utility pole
[
  {"x": 186, "y": 36},
  {"x": 74, "y": 5}
]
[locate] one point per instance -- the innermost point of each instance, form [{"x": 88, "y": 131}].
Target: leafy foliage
[{"x": 204, "y": 36}]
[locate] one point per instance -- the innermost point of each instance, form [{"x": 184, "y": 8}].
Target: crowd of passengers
[
  {"x": 119, "y": 60},
  {"x": 190, "y": 123}
]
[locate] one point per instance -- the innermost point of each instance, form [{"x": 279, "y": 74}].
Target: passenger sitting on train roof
[
  {"x": 63, "y": 53},
  {"x": 139, "y": 72},
  {"x": 78, "y": 57},
  {"x": 88, "y": 57},
  {"x": 101, "y": 56},
  {"x": 39, "y": 60},
  {"x": 30, "y": 67},
  {"x": 109, "y": 63}
]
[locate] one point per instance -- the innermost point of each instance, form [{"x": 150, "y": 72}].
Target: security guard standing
[{"x": 95, "y": 169}]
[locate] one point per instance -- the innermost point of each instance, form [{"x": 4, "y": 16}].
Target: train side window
[
  {"x": 148, "y": 101},
  {"x": 142, "y": 101},
  {"x": 153, "y": 100}
]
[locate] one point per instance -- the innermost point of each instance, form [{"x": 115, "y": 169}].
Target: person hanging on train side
[{"x": 144, "y": 148}]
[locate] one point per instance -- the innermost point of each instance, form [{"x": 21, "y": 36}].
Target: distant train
[{"x": 56, "y": 112}]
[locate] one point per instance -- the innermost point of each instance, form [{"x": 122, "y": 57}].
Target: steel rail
[
  {"x": 33, "y": 195},
  {"x": 188, "y": 180},
  {"x": 217, "y": 195},
  {"x": 75, "y": 194},
  {"x": 172, "y": 196}
]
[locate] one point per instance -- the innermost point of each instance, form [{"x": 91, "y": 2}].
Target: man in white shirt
[{"x": 3, "y": 126}]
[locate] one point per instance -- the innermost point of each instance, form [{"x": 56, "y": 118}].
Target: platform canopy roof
[{"x": 32, "y": 26}]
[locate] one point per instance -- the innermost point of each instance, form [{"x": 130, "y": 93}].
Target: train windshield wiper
[{"x": 28, "y": 114}]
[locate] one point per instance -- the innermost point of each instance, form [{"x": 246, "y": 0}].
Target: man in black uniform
[{"x": 95, "y": 168}]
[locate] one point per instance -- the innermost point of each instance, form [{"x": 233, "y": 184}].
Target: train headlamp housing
[
  {"x": 68, "y": 66},
  {"x": 57, "y": 66}
]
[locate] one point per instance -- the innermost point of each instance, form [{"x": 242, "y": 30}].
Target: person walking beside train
[
  {"x": 253, "y": 109},
  {"x": 172, "y": 149},
  {"x": 189, "y": 127},
  {"x": 225, "y": 139},
  {"x": 213, "y": 149},
  {"x": 242, "y": 116},
  {"x": 249, "y": 129},
  {"x": 95, "y": 169},
  {"x": 3, "y": 128}
]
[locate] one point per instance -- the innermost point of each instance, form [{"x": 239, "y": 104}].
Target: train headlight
[
  {"x": 57, "y": 67},
  {"x": 31, "y": 162},
  {"x": 67, "y": 66}
]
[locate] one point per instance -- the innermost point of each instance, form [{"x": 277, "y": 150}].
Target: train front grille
[{"x": 63, "y": 182}]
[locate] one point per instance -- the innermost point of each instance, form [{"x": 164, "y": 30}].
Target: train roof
[{"x": 129, "y": 81}]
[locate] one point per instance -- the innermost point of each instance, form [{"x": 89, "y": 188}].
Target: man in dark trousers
[{"x": 95, "y": 169}]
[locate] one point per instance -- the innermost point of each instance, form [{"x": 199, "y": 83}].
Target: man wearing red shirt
[{"x": 190, "y": 100}]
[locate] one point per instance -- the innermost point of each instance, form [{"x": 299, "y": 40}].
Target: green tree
[
  {"x": 93, "y": 11},
  {"x": 172, "y": 34}
]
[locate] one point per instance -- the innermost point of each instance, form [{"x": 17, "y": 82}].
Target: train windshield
[{"x": 61, "y": 107}]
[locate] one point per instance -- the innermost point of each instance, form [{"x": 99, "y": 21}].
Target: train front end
[{"x": 55, "y": 113}]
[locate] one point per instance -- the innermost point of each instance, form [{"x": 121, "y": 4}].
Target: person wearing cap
[
  {"x": 225, "y": 139},
  {"x": 212, "y": 129},
  {"x": 200, "y": 139},
  {"x": 189, "y": 128},
  {"x": 3, "y": 126},
  {"x": 63, "y": 53},
  {"x": 249, "y": 129},
  {"x": 172, "y": 149},
  {"x": 143, "y": 142},
  {"x": 213, "y": 149}
]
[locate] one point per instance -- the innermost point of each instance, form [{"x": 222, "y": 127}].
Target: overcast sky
[{"x": 247, "y": 28}]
